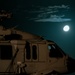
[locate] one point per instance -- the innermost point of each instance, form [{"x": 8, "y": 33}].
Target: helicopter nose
[{"x": 71, "y": 64}]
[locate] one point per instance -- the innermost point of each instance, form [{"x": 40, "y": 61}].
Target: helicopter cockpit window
[
  {"x": 34, "y": 52},
  {"x": 54, "y": 51},
  {"x": 28, "y": 51},
  {"x": 5, "y": 52}
]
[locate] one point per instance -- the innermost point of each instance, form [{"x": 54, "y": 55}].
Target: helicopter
[
  {"x": 22, "y": 52},
  {"x": 29, "y": 54}
]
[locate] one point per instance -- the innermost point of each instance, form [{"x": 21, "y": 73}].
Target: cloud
[
  {"x": 59, "y": 7},
  {"x": 51, "y": 14},
  {"x": 53, "y": 20},
  {"x": 55, "y": 13}
]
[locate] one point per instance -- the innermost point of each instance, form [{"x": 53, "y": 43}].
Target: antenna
[{"x": 13, "y": 27}]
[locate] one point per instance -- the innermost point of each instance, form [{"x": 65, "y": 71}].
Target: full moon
[{"x": 66, "y": 28}]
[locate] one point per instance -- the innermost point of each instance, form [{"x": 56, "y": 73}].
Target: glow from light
[{"x": 66, "y": 28}]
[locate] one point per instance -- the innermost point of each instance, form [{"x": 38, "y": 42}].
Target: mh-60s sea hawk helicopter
[{"x": 29, "y": 54}]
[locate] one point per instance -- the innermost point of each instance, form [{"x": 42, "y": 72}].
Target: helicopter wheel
[{"x": 54, "y": 73}]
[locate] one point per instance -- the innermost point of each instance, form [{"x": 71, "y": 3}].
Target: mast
[{"x": 4, "y": 15}]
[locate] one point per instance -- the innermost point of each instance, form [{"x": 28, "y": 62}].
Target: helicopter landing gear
[
  {"x": 21, "y": 69},
  {"x": 53, "y": 73}
]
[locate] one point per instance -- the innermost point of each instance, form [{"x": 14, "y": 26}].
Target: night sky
[{"x": 45, "y": 18}]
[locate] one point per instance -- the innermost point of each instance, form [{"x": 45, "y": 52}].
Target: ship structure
[{"x": 29, "y": 54}]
